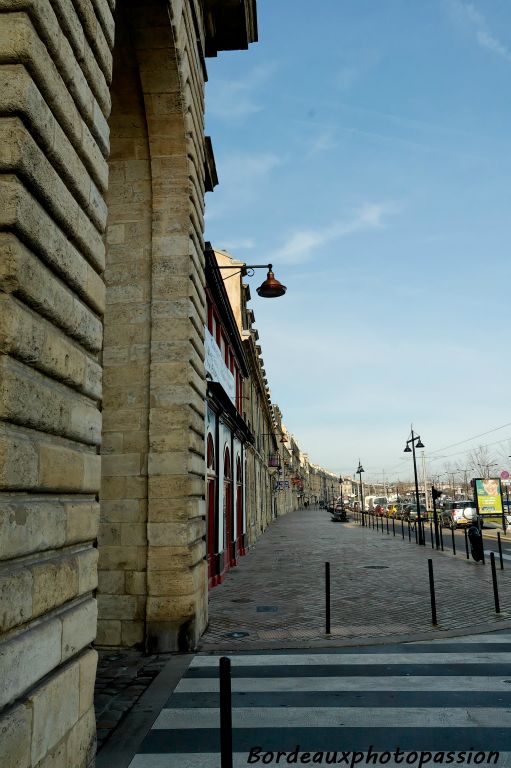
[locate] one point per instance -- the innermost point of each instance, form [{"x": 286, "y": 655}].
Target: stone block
[
  {"x": 88, "y": 664},
  {"x": 36, "y": 401},
  {"x": 122, "y": 558},
  {"x": 133, "y": 633},
  {"x": 21, "y": 213},
  {"x": 136, "y": 583},
  {"x": 28, "y": 525},
  {"x": 55, "y": 582},
  {"x": 79, "y": 626},
  {"x": 123, "y": 511},
  {"x": 87, "y": 570},
  {"x": 52, "y": 720},
  {"x": 24, "y": 273},
  {"x": 121, "y": 464},
  {"x": 15, "y": 737},
  {"x": 122, "y": 607},
  {"x": 82, "y": 520},
  {"x": 174, "y": 533},
  {"x": 15, "y": 598},
  {"x": 109, "y": 633},
  {"x": 42, "y": 646},
  {"x": 109, "y": 534},
  {"x": 134, "y": 534},
  {"x": 111, "y": 582},
  {"x": 81, "y": 741},
  {"x": 63, "y": 469},
  {"x": 18, "y": 460}
]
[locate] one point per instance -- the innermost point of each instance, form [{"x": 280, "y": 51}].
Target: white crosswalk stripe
[{"x": 439, "y": 697}]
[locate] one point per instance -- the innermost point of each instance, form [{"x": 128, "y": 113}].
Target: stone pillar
[
  {"x": 55, "y": 68},
  {"x": 153, "y": 579}
]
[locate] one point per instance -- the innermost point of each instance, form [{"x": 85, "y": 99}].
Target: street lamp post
[
  {"x": 416, "y": 443},
  {"x": 359, "y": 471}
]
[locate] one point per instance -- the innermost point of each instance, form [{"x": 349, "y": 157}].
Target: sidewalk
[
  {"x": 379, "y": 589},
  {"x": 275, "y": 600}
]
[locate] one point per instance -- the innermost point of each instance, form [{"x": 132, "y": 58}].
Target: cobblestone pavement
[
  {"x": 122, "y": 678},
  {"x": 379, "y": 588}
]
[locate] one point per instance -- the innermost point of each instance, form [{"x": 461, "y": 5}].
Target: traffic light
[{"x": 435, "y": 493}]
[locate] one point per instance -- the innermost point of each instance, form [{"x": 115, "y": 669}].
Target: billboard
[{"x": 488, "y": 493}]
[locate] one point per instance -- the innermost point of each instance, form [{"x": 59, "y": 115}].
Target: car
[
  {"x": 458, "y": 513},
  {"x": 410, "y": 511}
]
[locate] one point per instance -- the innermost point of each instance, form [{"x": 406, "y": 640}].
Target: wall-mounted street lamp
[
  {"x": 359, "y": 471},
  {"x": 271, "y": 288},
  {"x": 416, "y": 443}
]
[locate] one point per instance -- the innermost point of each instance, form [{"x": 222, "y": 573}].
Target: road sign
[{"x": 504, "y": 475}]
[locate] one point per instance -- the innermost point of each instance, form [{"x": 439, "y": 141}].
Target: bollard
[
  {"x": 388, "y": 532},
  {"x": 393, "y": 526},
  {"x": 409, "y": 532},
  {"x": 431, "y": 531},
  {"x": 453, "y": 542},
  {"x": 441, "y": 539},
  {"x": 466, "y": 543},
  {"x": 432, "y": 592},
  {"x": 327, "y": 598},
  {"x": 402, "y": 529},
  {"x": 495, "y": 586},
  {"x": 482, "y": 545},
  {"x": 415, "y": 529},
  {"x": 225, "y": 713},
  {"x": 500, "y": 551}
]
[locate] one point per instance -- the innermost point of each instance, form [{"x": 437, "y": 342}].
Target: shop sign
[{"x": 216, "y": 367}]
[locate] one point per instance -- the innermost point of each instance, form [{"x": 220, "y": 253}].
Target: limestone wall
[
  {"x": 152, "y": 578},
  {"x": 55, "y": 68}
]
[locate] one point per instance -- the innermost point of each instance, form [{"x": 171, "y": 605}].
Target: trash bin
[{"x": 476, "y": 542}]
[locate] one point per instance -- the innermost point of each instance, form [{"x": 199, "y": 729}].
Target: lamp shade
[
  {"x": 271, "y": 288},
  {"x": 420, "y": 444},
  {"x": 407, "y": 449}
]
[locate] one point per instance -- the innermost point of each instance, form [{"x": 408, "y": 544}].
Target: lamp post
[
  {"x": 340, "y": 487},
  {"x": 359, "y": 471},
  {"x": 416, "y": 443}
]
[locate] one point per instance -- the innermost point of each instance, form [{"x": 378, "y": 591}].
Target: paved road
[{"x": 440, "y": 696}]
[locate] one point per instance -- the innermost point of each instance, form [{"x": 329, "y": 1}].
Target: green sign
[{"x": 488, "y": 496}]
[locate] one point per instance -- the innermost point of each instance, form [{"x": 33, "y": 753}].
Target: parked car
[
  {"x": 410, "y": 511},
  {"x": 458, "y": 513}
]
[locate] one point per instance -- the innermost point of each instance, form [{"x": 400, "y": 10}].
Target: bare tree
[{"x": 481, "y": 461}]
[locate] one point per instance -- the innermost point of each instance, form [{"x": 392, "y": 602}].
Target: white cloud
[
  {"x": 301, "y": 245},
  {"x": 467, "y": 12},
  {"x": 240, "y": 177},
  {"x": 236, "y": 99},
  {"x": 323, "y": 142}
]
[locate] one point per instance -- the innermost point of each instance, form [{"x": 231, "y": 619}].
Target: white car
[{"x": 456, "y": 513}]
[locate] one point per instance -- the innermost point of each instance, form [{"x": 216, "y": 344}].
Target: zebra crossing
[{"x": 437, "y": 698}]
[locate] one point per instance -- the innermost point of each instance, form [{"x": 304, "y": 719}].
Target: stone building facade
[{"x": 103, "y": 170}]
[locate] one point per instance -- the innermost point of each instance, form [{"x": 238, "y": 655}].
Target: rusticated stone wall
[
  {"x": 55, "y": 67},
  {"x": 101, "y": 220}
]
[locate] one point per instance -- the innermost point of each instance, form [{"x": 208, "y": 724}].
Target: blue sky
[{"x": 363, "y": 147}]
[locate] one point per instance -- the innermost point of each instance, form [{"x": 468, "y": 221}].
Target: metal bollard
[
  {"x": 500, "y": 551},
  {"x": 388, "y": 532},
  {"x": 327, "y": 598},
  {"x": 453, "y": 542},
  {"x": 441, "y": 539},
  {"x": 482, "y": 545},
  {"x": 402, "y": 529},
  {"x": 432, "y": 593},
  {"x": 409, "y": 532},
  {"x": 393, "y": 526},
  {"x": 466, "y": 543},
  {"x": 225, "y": 713},
  {"x": 431, "y": 531},
  {"x": 495, "y": 586},
  {"x": 415, "y": 529}
]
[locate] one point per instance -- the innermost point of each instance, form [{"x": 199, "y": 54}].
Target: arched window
[
  {"x": 211, "y": 453},
  {"x": 227, "y": 465}
]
